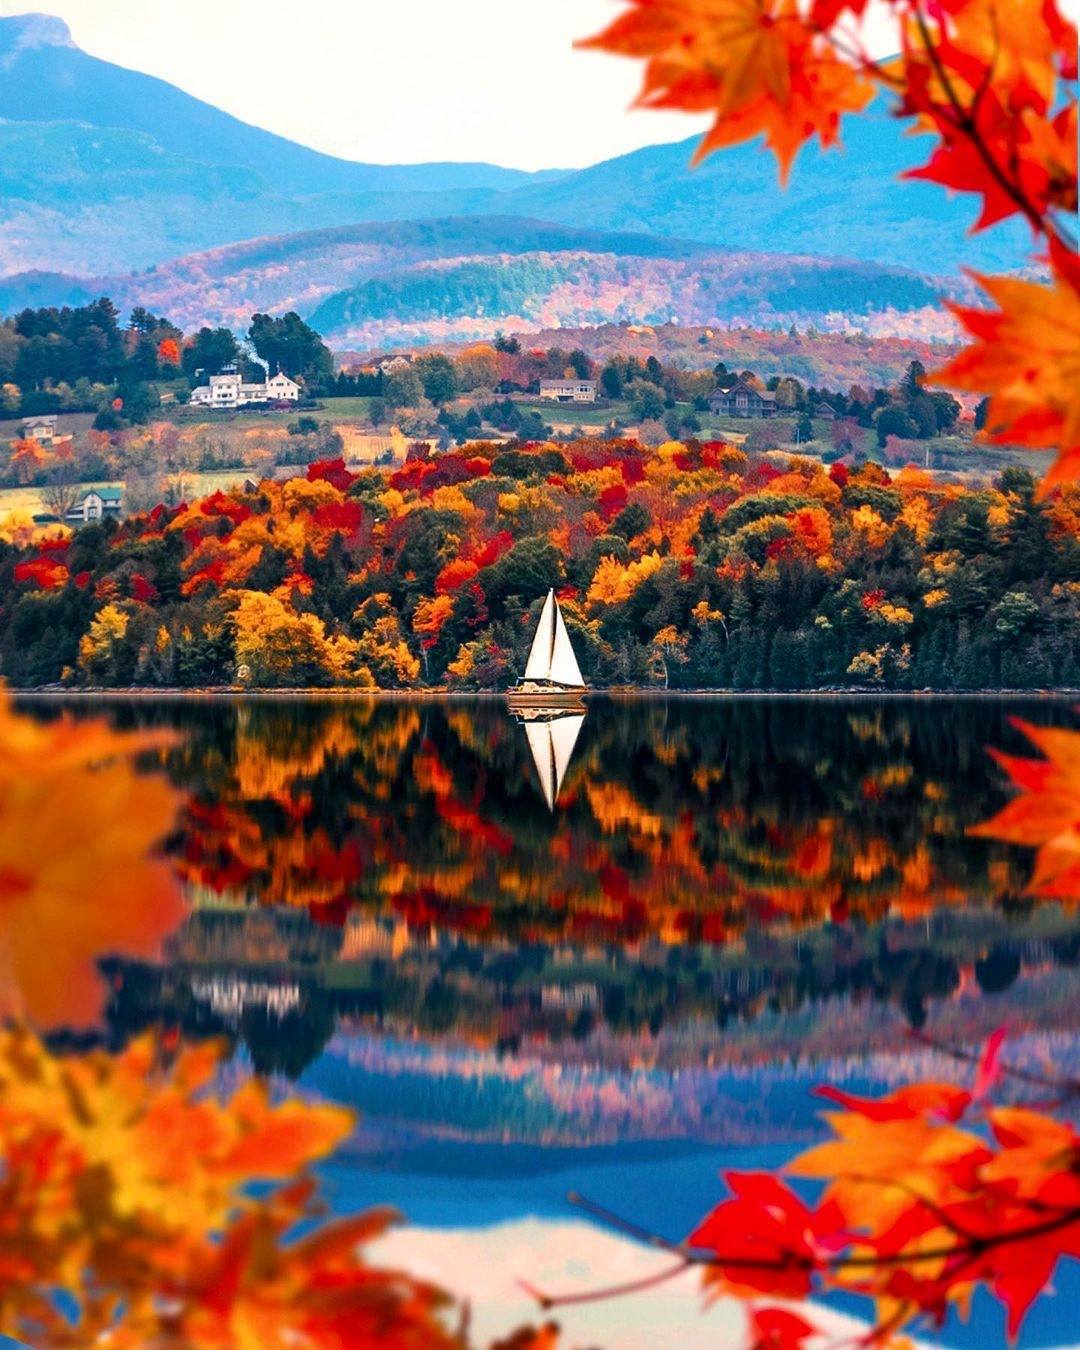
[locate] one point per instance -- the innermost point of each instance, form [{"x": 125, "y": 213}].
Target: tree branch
[{"x": 971, "y": 1246}]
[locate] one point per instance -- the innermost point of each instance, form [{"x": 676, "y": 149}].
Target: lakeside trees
[{"x": 690, "y": 564}]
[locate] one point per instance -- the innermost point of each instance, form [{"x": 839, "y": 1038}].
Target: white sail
[
  {"x": 564, "y": 733},
  {"x": 552, "y": 744},
  {"x": 539, "y": 663},
  {"x": 564, "y": 667},
  {"x": 539, "y": 738}
]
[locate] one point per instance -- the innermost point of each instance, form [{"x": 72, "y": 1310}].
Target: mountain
[
  {"x": 48, "y": 79},
  {"x": 849, "y": 202},
  {"x": 411, "y": 282},
  {"x": 106, "y": 169}
]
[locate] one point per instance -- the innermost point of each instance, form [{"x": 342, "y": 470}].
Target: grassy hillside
[{"x": 831, "y": 360}]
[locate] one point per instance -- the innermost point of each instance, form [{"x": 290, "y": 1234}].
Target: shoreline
[{"x": 233, "y": 694}]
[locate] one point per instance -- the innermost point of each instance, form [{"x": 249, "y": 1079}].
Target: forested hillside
[
  {"x": 407, "y": 282},
  {"x": 690, "y": 565},
  {"x": 468, "y": 297}
]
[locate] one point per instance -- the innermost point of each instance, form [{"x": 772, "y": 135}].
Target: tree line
[
  {"x": 82, "y": 359},
  {"x": 688, "y": 565}
]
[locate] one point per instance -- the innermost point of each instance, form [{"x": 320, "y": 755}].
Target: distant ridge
[
  {"x": 49, "y": 79},
  {"x": 433, "y": 281}
]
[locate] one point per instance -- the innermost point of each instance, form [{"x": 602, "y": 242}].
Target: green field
[{"x": 337, "y": 408}]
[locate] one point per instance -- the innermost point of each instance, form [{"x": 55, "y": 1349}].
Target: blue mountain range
[{"x": 106, "y": 169}]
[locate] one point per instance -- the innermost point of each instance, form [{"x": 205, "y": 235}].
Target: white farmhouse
[
  {"x": 96, "y": 504},
  {"x": 230, "y": 390},
  {"x": 279, "y": 388},
  {"x": 569, "y": 391}
]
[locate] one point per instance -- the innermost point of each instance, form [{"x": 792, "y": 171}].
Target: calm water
[{"x": 729, "y": 901}]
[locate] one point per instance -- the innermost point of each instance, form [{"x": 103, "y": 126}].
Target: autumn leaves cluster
[
  {"x": 992, "y": 81},
  {"x": 927, "y": 1194},
  {"x": 143, "y": 1200}
]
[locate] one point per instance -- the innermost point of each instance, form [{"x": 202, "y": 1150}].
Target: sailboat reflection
[{"x": 552, "y": 736}]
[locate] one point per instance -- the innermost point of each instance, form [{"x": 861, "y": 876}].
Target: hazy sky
[{"x": 392, "y": 81}]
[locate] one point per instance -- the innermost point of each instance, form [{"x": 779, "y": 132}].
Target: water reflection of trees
[
  {"x": 706, "y": 818},
  {"x": 707, "y": 860},
  {"x": 222, "y": 976}
]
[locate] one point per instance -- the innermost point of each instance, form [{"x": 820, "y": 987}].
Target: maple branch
[
  {"x": 965, "y": 1251},
  {"x": 966, "y": 124},
  {"x": 962, "y": 119},
  {"x": 1069, "y": 1086},
  {"x": 549, "y": 1301},
  {"x": 881, "y": 1331},
  {"x": 853, "y": 51},
  {"x": 626, "y": 1226}
]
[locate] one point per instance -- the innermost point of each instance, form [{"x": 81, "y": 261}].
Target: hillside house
[
  {"x": 568, "y": 391},
  {"x": 41, "y": 429},
  {"x": 230, "y": 390},
  {"x": 96, "y": 504},
  {"x": 742, "y": 400}
]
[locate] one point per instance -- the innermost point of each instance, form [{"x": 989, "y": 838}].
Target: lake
[{"x": 611, "y": 955}]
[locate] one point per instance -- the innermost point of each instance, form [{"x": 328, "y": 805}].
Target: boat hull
[{"x": 533, "y": 695}]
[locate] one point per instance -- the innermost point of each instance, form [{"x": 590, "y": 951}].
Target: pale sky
[{"x": 393, "y": 81}]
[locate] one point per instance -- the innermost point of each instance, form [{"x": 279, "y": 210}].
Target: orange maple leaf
[
  {"x": 1026, "y": 357},
  {"x": 77, "y": 826},
  {"x": 1046, "y": 814},
  {"x": 757, "y": 64}
]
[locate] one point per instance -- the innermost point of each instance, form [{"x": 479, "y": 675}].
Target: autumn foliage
[
  {"x": 916, "y": 1210},
  {"x": 1046, "y": 810},
  {"x": 126, "y": 1180},
  {"x": 122, "y": 1184},
  {"x": 75, "y": 816},
  {"x": 690, "y": 564},
  {"x": 129, "y": 1214}
]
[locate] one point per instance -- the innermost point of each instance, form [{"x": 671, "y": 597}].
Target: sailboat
[
  {"x": 552, "y": 744},
  {"x": 552, "y": 676}
]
